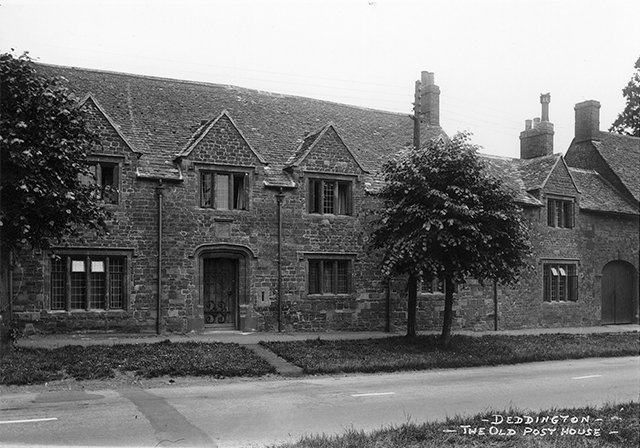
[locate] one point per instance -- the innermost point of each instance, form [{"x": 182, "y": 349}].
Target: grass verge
[
  {"x": 33, "y": 366},
  {"x": 317, "y": 356},
  {"x": 607, "y": 426}
]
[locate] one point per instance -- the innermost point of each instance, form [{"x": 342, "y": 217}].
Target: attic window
[
  {"x": 105, "y": 176},
  {"x": 223, "y": 190},
  {"x": 560, "y": 213},
  {"x": 328, "y": 196}
]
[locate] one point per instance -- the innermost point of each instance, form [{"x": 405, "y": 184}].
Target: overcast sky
[{"x": 492, "y": 59}]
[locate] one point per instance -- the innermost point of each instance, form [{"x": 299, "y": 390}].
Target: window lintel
[
  {"x": 325, "y": 175},
  {"x": 560, "y": 197},
  {"x": 105, "y": 158},
  {"x": 206, "y": 167},
  {"x": 327, "y": 255}
]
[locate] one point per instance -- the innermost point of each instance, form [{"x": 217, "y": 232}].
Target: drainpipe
[
  {"x": 160, "y": 194},
  {"x": 10, "y": 286},
  {"x": 279, "y": 198},
  {"x": 388, "y": 329},
  {"x": 495, "y": 305}
]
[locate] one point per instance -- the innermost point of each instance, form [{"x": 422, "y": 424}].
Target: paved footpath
[{"x": 252, "y": 340}]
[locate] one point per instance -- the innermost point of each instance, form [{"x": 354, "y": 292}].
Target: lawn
[
  {"x": 33, "y": 366},
  {"x": 317, "y": 356},
  {"x": 608, "y": 426}
]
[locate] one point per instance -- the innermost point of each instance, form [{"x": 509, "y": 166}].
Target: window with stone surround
[
  {"x": 329, "y": 275},
  {"x": 435, "y": 286},
  {"x": 89, "y": 281},
  {"x": 560, "y": 213},
  {"x": 224, "y": 190},
  {"x": 560, "y": 282},
  {"x": 105, "y": 175},
  {"x": 330, "y": 196}
]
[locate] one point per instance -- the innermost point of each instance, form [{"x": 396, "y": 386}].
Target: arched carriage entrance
[
  {"x": 224, "y": 285},
  {"x": 619, "y": 293}
]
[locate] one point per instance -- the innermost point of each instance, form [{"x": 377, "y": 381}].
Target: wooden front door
[
  {"x": 618, "y": 291},
  {"x": 220, "y": 277}
]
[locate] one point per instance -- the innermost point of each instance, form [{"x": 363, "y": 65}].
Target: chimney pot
[
  {"x": 427, "y": 78},
  {"x": 545, "y": 99},
  {"x": 536, "y": 122},
  {"x": 527, "y": 124}
]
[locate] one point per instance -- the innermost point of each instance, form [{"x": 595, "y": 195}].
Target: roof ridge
[
  {"x": 583, "y": 170},
  {"x": 615, "y": 134}
]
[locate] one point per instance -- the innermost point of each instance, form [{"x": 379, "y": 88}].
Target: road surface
[{"x": 251, "y": 413}]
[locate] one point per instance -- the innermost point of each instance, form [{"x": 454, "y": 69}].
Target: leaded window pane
[
  {"x": 328, "y": 199},
  {"x": 58, "y": 284}
]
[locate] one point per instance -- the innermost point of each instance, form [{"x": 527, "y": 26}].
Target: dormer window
[
  {"x": 105, "y": 175},
  {"x": 330, "y": 196},
  {"x": 224, "y": 190},
  {"x": 560, "y": 213}
]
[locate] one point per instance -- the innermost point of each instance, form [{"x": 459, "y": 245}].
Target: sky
[{"x": 491, "y": 58}]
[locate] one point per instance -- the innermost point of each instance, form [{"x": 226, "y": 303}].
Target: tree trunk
[
  {"x": 6, "y": 342},
  {"x": 412, "y": 304},
  {"x": 445, "y": 338}
]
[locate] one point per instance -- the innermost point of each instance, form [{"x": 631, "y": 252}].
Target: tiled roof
[
  {"x": 161, "y": 117},
  {"x": 598, "y": 194},
  {"x": 509, "y": 171},
  {"x": 536, "y": 171},
  {"x": 622, "y": 154}
]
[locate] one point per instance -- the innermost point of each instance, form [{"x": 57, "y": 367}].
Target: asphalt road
[{"x": 252, "y": 413}]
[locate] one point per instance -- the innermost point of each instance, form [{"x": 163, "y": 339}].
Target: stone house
[{"x": 235, "y": 209}]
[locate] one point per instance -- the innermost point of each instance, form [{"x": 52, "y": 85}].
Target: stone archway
[{"x": 224, "y": 285}]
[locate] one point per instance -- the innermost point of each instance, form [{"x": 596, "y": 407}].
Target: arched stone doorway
[
  {"x": 224, "y": 286},
  {"x": 619, "y": 293}
]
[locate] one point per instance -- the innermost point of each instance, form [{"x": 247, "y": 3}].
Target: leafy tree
[
  {"x": 447, "y": 218},
  {"x": 44, "y": 145},
  {"x": 628, "y": 121}
]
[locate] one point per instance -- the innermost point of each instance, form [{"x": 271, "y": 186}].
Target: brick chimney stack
[
  {"x": 587, "y": 125},
  {"x": 429, "y": 99},
  {"x": 537, "y": 138}
]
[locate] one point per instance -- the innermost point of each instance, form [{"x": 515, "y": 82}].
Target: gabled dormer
[
  {"x": 561, "y": 194},
  {"x": 110, "y": 155},
  {"x": 224, "y": 162},
  {"x": 329, "y": 171},
  {"x": 325, "y": 151},
  {"x": 220, "y": 141}
]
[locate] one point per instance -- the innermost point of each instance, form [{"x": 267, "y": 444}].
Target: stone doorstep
[{"x": 283, "y": 367}]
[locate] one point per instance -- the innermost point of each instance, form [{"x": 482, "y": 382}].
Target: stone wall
[{"x": 373, "y": 303}]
